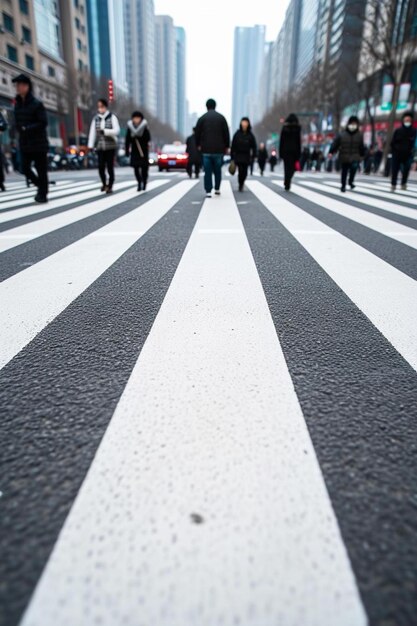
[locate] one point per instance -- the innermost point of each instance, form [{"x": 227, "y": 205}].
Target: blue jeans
[{"x": 212, "y": 165}]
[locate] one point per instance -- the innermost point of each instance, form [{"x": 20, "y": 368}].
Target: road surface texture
[{"x": 208, "y": 406}]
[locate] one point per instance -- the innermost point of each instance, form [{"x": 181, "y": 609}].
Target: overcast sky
[{"x": 210, "y": 27}]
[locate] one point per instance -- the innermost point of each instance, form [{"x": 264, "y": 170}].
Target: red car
[{"x": 173, "y": 157}]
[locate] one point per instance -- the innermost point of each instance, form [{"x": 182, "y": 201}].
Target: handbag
[
  {"x": 297, "y": 166},
  {"x": 232, "y": 168},
  {"x": 139, "y": 147}
]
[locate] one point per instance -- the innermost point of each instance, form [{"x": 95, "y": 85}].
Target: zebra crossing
[{"x": 208, "y": 405}]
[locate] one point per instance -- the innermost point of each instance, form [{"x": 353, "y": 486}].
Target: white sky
[{"x": 210, "y": 28}]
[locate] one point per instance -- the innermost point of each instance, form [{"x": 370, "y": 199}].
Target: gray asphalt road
[{"x": 107, "y": 297}]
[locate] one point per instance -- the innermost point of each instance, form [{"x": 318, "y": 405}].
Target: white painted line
[
  {"x": 7, "y": 216},
  {"x": 34, "y": 297},
  {"x": 29, "y": 193},
  {"x": 208, "y": 429},
  {"x": 377, "y": 203},
  {"x": 387, "y": 187},
  {"x": 27, "y": 232},
  {"x": 382, "y": 225},
  {"x": 384, "y": 294},
  {"x": 377, "y": 191},
  {"x": 28, "y": 198}
]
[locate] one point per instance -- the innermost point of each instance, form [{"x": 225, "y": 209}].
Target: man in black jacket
[
  {"x": 31, "y": 123},
  {"x": 213, "y": 140},
  {"x": 402, "y": 146}
]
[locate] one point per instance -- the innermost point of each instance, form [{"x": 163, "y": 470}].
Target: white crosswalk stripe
[
  {"x": 378, "y": 192},
  {"x": 30, "y": 192},
  {"x": 16, "y": 236},
  {"x": 209, "y": 427},
  {"x": 207, "y": 354}
]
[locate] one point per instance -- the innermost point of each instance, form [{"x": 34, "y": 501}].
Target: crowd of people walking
[{"x": 206, "y": 148}]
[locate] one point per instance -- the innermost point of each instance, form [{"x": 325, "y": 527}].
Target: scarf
[{"x": 137, "y": 131}]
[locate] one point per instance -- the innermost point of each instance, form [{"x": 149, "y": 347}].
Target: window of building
[
  {"x": 80, "y": 65},
  {"x": 77, "y": 23},
  {"x": 76, "y": 4},
  {"x": 8, "y": 22},
  {"x": 24, "y": 7},
  {"x": 26, "y": 34},
  {"x": 79, "y": 44},
  {"x": 30, "y": 63},
  {"x": 51, "y": 71},
  {"x": 12, "y": 53}
]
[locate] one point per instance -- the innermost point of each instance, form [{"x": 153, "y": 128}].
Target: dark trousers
[
  {"x": 351, "y": 169},
  {"x": 402, "y": 163},
  {"x": 212, "y": 166},
  {"x": 1, "y": 168},
  {"x": 193, "y": 166},
  {"x": 141, "y": 173},
  {"x": 106, "y": 162},
  {"x": 40, "y": 161},
  {"x": 242, "y": 173},
  {"x": 289, "y": 171}
]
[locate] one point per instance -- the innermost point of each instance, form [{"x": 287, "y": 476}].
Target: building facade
[
  {"x": 166, "y": 70},
  {"x": 249, "y": 53},
  {"x": 182, "y": 109}
]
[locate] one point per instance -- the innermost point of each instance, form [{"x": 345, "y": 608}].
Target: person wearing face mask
[
  {"x": 244, "y": 150},
  {"x": 104, "y": 131},
  {"x": 137, "y": 143},
  {"x": 351, "y": 150},
  {"x": 402, "y": 148}
]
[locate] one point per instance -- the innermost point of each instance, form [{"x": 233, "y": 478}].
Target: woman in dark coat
[
  {"x": 243, "y": 150},
  {"x": 137, "y": 142},
  {"x": 262, "y": 157},
  {"x": 351, "y": 150},
  {"x": 290, "y": 147}
]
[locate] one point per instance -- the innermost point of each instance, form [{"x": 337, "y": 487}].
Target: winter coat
[
  {"x": 243, "y": 147},
  {"x": 194, "y": 155},
  {"x": 212, "y": 133},
  {"x": 290, "y": 142},
  {"x": 138, "y": 136},
  {"x": 104, "y": 131},
  {"x": 350, "y": 146},
  {"x": 31, "y": 122},
  {"x": 403, "y": 142},
  {"x": 262, "y": 156}
]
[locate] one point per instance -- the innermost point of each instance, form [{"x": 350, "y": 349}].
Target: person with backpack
[
  {"x": 244, "y": 150},
  {"x": 137, "y": 143},
  {"x": 213, "y": 141},
  {"x": 402, "y": 148},
  {"x": 31, "y": 123},
  {"x": 290, "y": 147},
  {"x": 104, "y": 131},
  {"x": 350, "y": 145}
]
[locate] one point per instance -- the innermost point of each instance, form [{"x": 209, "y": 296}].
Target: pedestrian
[
  {"x": 402, "y": 147},
  {"x": 104, "y": 131},
  {"x": 213, "y": 140},
  {"x": 31, "y": 123},
  {"x": 273, "y": 160},
  {"x": 262, "y": 157},
  {"x": 290, "y": 147},
  {"x": 320, "y": 160},
  {"x": 305, "y": 158},
  {"x": 3, "y": 128},
  {"x": 194, "y": 156},
  {"x": 138, "y": 138},
  {"x": 243, "y": 150},
  {"x": 349, "y": 143}
]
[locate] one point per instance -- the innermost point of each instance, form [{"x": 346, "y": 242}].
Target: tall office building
[
  {"x": 140, "y": 49},
  {"x": 76, "y": 56},
  {"x": 306, "y": 38},
  {"x": 31, "y": 42},
  {"x": 107, "y": 44},
  {"x": 182, "y": 111},
  {"x": 249, "y": 52},
  {"x": 166, "y": 65}
]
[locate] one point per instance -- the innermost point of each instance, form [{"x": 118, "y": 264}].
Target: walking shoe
[
  {"x": 109, "y": 190},
  {"x": 403, "y": 187},
  {"x": 343, "y": 189},
  {"x": 103, "y": 188},
  {"x": 287, "y": 187},
  {"x": 2, "y": 187},
  {"x": 240, "y": 187},
  {"x": 393, "y": 188},
  {"x": 208, "y": 195},
  {"x": 352, "y": 186},
  {"x": 40, "y": 198},
  {"x": 217, "y": 192},
  {"x": 139, "y": 187},
  {"x": 143, "y": 186}
]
